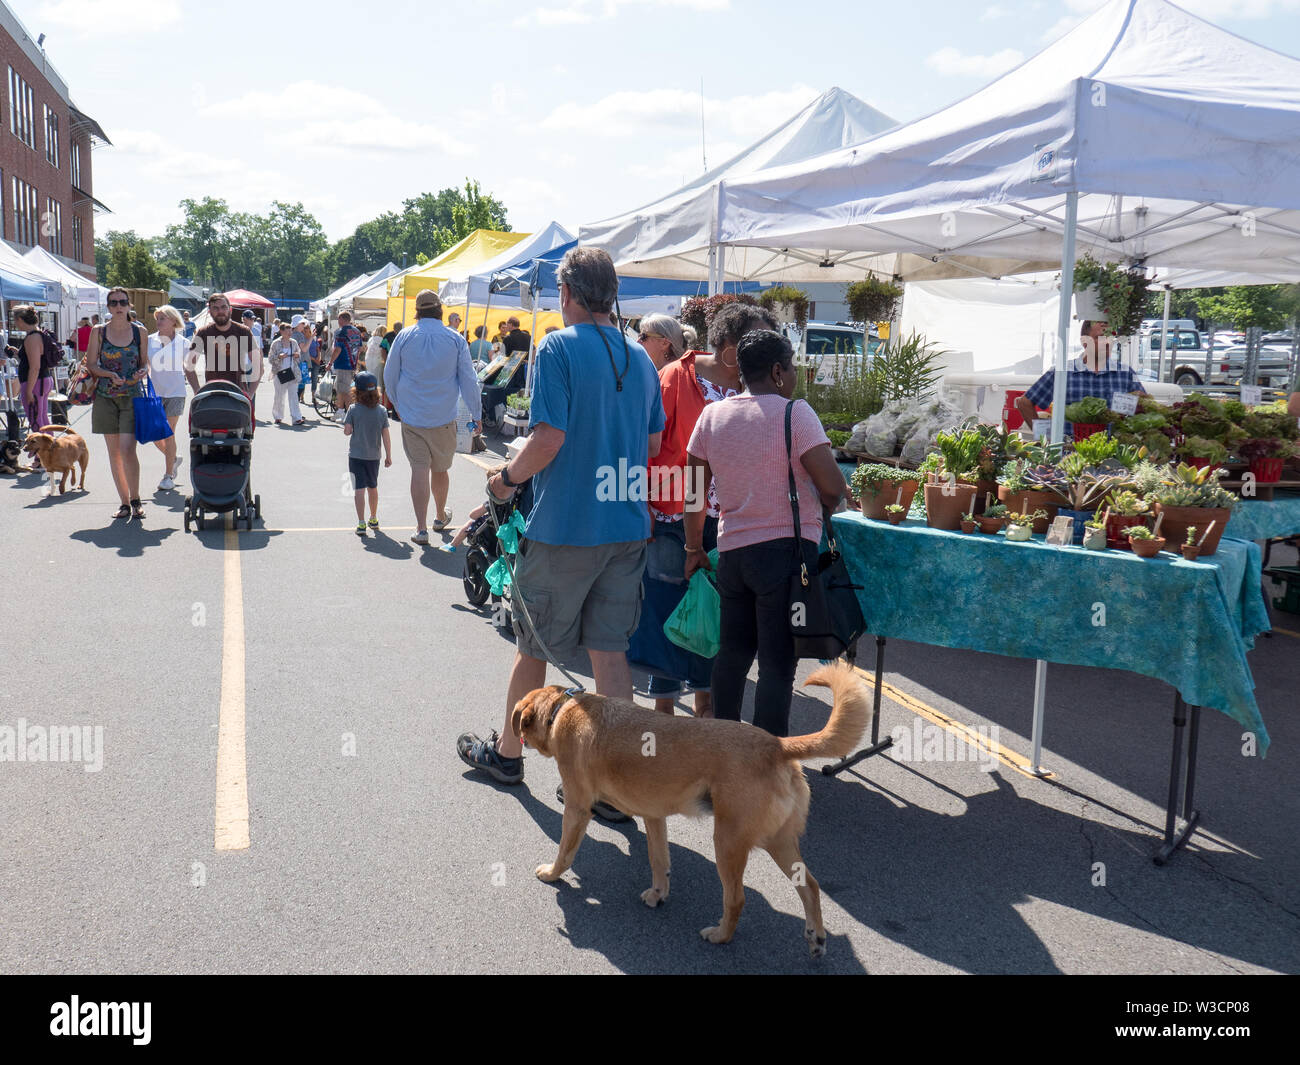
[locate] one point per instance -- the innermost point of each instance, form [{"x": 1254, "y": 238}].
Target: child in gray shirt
[{"x": 367, "y": 425}]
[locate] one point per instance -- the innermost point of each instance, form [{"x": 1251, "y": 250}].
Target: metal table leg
[
  {"x": 877, "y": 745},
  {"x": 1182, "y": 782}
]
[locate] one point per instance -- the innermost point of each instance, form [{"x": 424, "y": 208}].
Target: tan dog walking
[{"x": 61, "y": 453}]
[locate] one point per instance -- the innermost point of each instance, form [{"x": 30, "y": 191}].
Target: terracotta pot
[
  {"x": 1019, "y": 533},
  {"x": 1190, "y": 551},
  {"x": 1115, "y": 526},
  {"x": 990, "y": 525},
  {"x": 1179, "y": 519},
  {"x": 874, "y": 506},
  {"x": 969, "y": 526},
  {"x": 1094, "y": 539},
  {"x": 1148, "y": 548},
  {"x": 895, "y": 518},
  {"x": 1026, "y": 502},
  {"x": 943, "y": 510},
  {"x": 1083, "y": 430},
  {"x": 1267, "y": 471}
]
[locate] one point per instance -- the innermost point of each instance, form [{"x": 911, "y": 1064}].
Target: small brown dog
[
  {"x": 650, "y": 765},
  {"x": 59, "y": 454}
]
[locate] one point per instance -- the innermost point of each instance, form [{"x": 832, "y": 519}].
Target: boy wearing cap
[{"x": 366, "y": 422}]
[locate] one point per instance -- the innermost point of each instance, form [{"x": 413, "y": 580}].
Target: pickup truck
[{"x": 1228, "y": 362}]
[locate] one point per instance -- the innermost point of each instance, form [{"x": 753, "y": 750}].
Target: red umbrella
[{"x": 241, "y": 297}]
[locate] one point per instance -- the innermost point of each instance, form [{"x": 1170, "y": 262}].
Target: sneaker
[
  {"x": 361, "y": 528},
  {"x": 374, "y": 524},
  {"x": 421, "y": 538},
  {"x": 166, "y": 485},
  {"x": 449, "y": 549},
  {"x": 441, "y": 523},
  {"x": 603, "y": 810},
  {"x": 483, "y": 754}
]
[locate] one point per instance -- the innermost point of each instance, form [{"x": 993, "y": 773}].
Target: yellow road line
[
  {"x": 1005, "y": 755},
  {"x": 341, "y": 528},
  {"x": 232, "y": 768},
  {"x": 1288, "y": 632}
]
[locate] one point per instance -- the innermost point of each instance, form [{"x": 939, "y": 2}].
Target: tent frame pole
[{"x": 1164, "y": 342}]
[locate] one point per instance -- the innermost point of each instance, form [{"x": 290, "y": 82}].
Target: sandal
[
  {"x": 137, "y": 510},
  {"x": 124, "y": 511}
]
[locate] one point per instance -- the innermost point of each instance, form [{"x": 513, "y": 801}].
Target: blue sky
[{"x": 565, "y": 109}]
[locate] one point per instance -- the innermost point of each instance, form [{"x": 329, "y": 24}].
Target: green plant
[
  {"x": 1189, "y": 487},
  {"x": 837, "y": 417},
  {"x": 1096, "y": 449},
  {"x": 1139, "y": 532},
  {"x": 1197, "y": 447},
  {"x": 1250, "y": 450},
  {"x": 872, "y": 477},
  {"x": 519, "y": 403},
  {"x": 698, "y": 311},
  {"x": 872, "y": 300},
  {"x": 907, "y": 367},
  {"x": 1265, "y": 423},
  {"x": 1095, "y": 522},
  {"x": 1091, "y": 410},
  {"x": 968, "y": 516},
  {"x": 960, "y": 451},
  {"x": 1014, "y": 518},
  {"x": 785, "y": 295},
  {"x": 1191, "y": 536},
  {"x": 1122, "y": 293},
  {"x": 1012, "y": 477},
  {"x": 856, "y": 392},
  {"x": 838, "y": 437},
  {"x": 995, "y": 510},
  {"x": 1126, "y": 504},
  {"x": 1146, "y": 477},
  {"x": 894, "y": 508}
]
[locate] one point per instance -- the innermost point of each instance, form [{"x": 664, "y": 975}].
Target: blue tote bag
[{"x": 150, "y": 416}]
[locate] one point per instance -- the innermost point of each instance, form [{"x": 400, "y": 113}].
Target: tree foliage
[
  {"x": 127, "y": 259},
  {"x": 1237, "y": 307}
]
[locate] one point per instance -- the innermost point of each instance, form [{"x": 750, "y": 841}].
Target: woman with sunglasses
[
  {"x": 662, "y": 338},
  {"x": 118, "y": 356}
]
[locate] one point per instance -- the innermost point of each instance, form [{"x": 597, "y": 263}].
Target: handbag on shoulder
[{"x": 825, "y": 617}]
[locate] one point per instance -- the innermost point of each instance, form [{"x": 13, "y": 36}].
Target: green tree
[
  {"x": 1268, "y": 306},
  {"x": 132, "y": 266},
  {"x": 104, "y": 245},
  {"x": 198, "y": 241}
]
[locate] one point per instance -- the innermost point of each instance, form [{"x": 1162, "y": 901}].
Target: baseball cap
[
  {"x": 248, "y": 314},
  {"x": 364, "y": 382},
  {"x": 427, "y": 299},
  {"x": 298, "y": 319}
]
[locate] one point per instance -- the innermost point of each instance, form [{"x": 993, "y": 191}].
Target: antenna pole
[{"x": 704, "y": 154}]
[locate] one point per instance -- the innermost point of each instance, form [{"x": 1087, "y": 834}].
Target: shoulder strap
[{"x": 794, "y": 488}]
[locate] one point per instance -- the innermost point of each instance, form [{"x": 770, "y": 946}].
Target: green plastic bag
[{"x": 696, "y": 624}]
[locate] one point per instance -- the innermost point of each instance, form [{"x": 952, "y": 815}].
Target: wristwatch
[{"x": 505, "y": 477}]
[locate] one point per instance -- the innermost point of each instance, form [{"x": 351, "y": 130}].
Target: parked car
[{"x": 825, "y": 348}]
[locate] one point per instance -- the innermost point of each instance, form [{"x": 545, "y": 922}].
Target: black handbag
[{"x": 825, "y": 618}]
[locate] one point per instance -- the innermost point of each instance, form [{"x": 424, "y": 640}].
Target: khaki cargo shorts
[
  {"x": 433, "y": 448},
  {"x": 578, "y": 596}
]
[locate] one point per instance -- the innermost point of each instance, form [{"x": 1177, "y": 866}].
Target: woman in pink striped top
[{"x": 739, "y": 445}]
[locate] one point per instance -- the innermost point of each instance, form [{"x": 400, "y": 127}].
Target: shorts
[
  {"x": 365, "y": 473},
  {"x": 343, "y": 385},
  {"x": 430, "y": 449},
  {"x": 173, "y": 406},
  {"x": 112, "y": 415},
  {"x": 577, "y": 596}
]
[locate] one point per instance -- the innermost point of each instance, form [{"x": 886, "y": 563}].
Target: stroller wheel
[
  {"x": 476, "y": 585},
  {"x": 199, "y": 520},
  {"x": 187, "y": 519},
  {"x": 257, "y": 507}
]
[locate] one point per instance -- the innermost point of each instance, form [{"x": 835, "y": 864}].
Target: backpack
[{"x": 52, "y": 356}]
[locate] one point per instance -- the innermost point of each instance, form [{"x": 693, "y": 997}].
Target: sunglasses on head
[{"x": 119, "y": 303}]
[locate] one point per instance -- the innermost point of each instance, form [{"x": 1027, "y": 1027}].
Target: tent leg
[
  {"x": 1164, "y": 342},
  {"x": 1040, "y": 695},
  {"x": 1063, "y": 316}
]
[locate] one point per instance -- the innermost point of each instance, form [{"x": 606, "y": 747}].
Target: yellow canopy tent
[{"x": 459, "y": 259}]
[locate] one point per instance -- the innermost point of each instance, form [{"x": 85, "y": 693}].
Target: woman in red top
[
  {"x": 83, "y": 337},
  {"x": 688, "y": 384}
]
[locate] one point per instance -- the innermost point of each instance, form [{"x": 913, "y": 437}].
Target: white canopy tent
[
  {"x": 674, "y": 236},
  {"x": 326, "y": 304},
  {"x": 1146, "y": 134},
  {"x": 82, "y": 296}
]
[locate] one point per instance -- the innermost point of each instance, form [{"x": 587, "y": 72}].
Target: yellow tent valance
[{"x": 457, "y": 261}]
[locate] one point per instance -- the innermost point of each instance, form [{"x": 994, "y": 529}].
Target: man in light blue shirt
[{"x": 428, "y": 366}]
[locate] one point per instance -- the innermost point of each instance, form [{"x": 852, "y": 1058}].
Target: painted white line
[{"x": 232, "y": 770}]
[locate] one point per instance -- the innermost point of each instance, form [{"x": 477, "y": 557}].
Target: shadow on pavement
[{"x": 126, "y": 536}]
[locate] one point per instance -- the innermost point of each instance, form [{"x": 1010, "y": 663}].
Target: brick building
[{"x": 45, "y": 149}]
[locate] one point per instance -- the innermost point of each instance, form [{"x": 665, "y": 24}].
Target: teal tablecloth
[
  {"x": 1259, "y": 519},
  {"x": 1189, "y": 624}
]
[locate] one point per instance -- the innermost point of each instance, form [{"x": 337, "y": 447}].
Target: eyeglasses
[
  {"x": 119, "y": 303},
  {"x": 643, "y": 337}
]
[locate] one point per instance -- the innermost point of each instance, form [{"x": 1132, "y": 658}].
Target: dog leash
[{"x": 517, "y": 597}]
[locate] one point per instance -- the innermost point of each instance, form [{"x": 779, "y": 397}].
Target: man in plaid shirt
[{"x": 1088, "y": 375}]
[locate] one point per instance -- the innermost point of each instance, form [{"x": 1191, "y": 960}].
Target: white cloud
[
  {"x": 949, "y": 61},
  {"x": 580, "y": 12},
  {"x": 995, "y": 11},
  {"x": 85, "y": 18},
  {"x": 327, "y": 118}
]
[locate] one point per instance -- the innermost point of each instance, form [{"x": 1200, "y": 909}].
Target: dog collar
[{"x": 569, "y": 693}]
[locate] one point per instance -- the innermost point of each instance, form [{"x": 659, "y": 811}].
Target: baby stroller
[
  {"x": 483, "y": 548},
  {"x": 221, "y": 455}
]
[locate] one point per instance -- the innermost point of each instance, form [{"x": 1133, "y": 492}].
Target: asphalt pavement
[{"x": 372, "y": 848}]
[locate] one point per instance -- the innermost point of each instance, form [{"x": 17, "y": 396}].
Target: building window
[
  {"x": 52, "y": 226},
  {"x": 75, "y": 166},
  {"x": 26, "y": 209},
  {"x": 77, "y": 248},
  {"x": 20, "y": 109},
  {"x": 52, "y": 136}
]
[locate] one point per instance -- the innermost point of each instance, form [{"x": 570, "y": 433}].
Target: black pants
[{"x": 754, "y": 585}]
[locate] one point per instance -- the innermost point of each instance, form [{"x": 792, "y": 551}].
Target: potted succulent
[
  {"x": 1126, "y": 508},
  {"x": 876, "y": 485},
  {"x": 1088, "y": 416},
  {"x": 994, "y": 517},
  {"x": 1020, "y": 527},
  {"x": 1190, "y": 547},
  {"x": 1015, "y": 491},
  {"x": 1094, "y": 532},
  {"x": 950, "y": 491},
  {"x": 969, "y": 523},
  {"x": 1193, "y": 497},
  {"x": 894, "y": 512},
  {"x": 1201, "y": 453},
  {"x": 516, "y": 418},
  {"x": 1266, "y": 457},
  {"x": 1079, "y": 487},
  {"x": 1144, "y": 542}
]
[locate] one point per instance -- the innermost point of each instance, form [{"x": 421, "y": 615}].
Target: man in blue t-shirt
[
  {"x": 347, "y": 353},
  {"x": 596, "y": 417}
]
